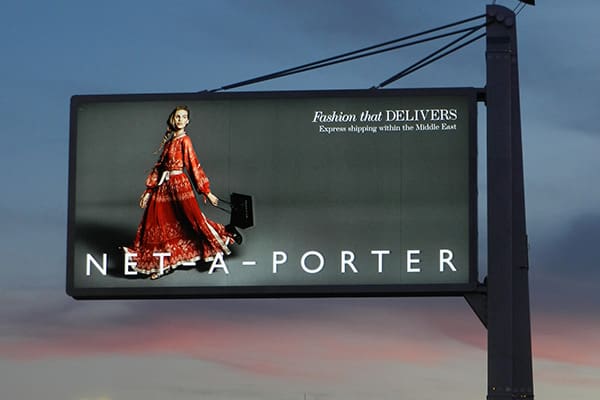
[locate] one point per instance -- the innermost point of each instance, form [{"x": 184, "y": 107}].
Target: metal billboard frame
[{"x": 272, "y": 291}]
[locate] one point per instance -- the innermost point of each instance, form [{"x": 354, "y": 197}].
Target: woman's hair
[{"x": 171, "y": 127}]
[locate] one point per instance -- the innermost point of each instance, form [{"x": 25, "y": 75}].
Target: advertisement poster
[{"x": 350, "y": 193}]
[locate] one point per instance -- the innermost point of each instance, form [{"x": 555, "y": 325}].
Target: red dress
[{"x": 172, "y": 222}]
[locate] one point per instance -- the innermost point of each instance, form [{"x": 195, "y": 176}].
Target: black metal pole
[
  {"x": 509, "y": 336},
  {"x": 522, "y": 361}
]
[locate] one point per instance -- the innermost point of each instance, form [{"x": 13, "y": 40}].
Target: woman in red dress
[{"x": 173, "y": 230}]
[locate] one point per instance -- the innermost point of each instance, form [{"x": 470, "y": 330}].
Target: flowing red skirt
[{"x": 173, "y": 223}]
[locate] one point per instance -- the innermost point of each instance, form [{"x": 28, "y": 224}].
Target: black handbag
[{"x": 241, "y": 210}]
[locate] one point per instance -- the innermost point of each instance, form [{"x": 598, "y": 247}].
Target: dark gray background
[{"x": 312, "y": 191}]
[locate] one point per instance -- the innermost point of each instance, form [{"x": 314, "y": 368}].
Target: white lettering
[
  {"x": 161, "y": 262},
  {"x": 218, "y": 262},
  {"x": 318, "y": 115},
  {"x": 315, "y": 254},
  {"x": 446, "y": 259},
  {"x": 129, "y": 264},
  {"x": 279, "y": 257},
  {"x": 334, "y": 116},
  {"x": 380, "y": 254},
  {"x": 410, "y": 260},
  {"x": 347, "y": 260},
  {"x": 89, "y": 259},
  {"x": 417, "y": 115}
]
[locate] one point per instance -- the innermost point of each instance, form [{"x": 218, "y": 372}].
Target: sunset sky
[{"x": 55, "y": 348}]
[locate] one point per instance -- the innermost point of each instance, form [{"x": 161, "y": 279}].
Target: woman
[{"x": 173, "y": 230}]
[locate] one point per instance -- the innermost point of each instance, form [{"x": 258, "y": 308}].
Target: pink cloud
[
  {"x": 289, "y": 345},
  {"x": 272, "y": 347},
  {"x": 573, "y": 339}
]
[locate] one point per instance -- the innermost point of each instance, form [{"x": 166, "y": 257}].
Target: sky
[{"x": 53, "y": 347}]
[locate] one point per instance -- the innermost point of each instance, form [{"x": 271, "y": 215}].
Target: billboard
[{"x": 342, "y": 193}]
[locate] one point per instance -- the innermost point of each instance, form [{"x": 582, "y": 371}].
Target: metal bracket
[{"x": 479, "y": 304}]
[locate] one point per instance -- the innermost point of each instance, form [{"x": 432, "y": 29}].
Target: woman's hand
[
  {"x": 214, "y": 200},
  {"x": 144, "y": 199}
]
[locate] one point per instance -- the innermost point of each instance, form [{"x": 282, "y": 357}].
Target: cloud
[
  {"x": 256, "y": 337},
  {"x": 262, "y": 336},
  {"x": 570, "y": 340},
  {"x": 571, "y": 252},
  {"x": 577, "y": 247},
  {"x": 564, "y": 329}
]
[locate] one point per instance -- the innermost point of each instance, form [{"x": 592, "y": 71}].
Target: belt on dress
[{"x": 167, "y": 174}]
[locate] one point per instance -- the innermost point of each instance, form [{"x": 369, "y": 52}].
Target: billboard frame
[{"x": 281, "y": 291}]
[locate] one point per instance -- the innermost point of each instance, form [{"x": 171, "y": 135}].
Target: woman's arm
[
  {"x": 196, "y": 172},
  {"x": 151, "y": 184}
]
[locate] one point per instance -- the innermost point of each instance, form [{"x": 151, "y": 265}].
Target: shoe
[
  {"x": 155, "y": 275},
  {"x": 235, "y": 234}
]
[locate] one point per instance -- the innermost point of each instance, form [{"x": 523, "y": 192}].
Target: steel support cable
[
  {"x": 442, "y": 55},
  {"x": 387, "y": 49},
  {"x": 309, "y": 67},
  {"x": 519, "y": 4},
  {"x": 348, "y": 56},
  {"x": 517, "y": 10},
  {"x": 432, "y": 57}
]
